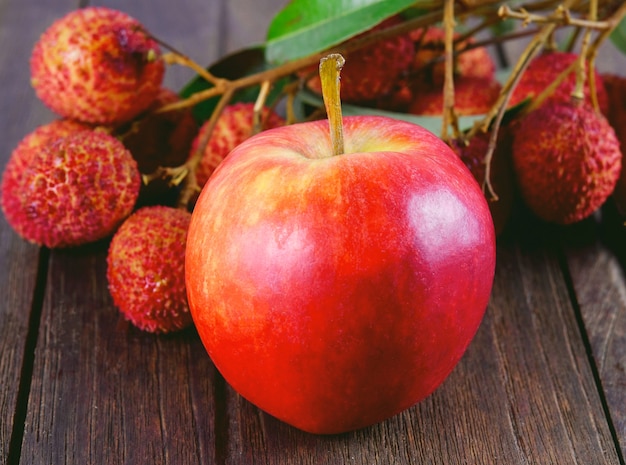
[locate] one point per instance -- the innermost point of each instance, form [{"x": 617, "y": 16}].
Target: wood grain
[
  {"x": 106, "y": 391},
  {"x": 596, "y": 259}
]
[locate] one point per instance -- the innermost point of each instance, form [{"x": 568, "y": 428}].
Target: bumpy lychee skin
[
  {"x": 42, "y": 136},
  {"x": 96, "y": 65},
  {"x": 567, "y": 160},
  {"x": 370, "y": 73},
  {"x": 472, "y": 96},
  {"x": 72, "y": 191},
  {"x": 428, "y": 58},
  {"x": 544, "y": 69},
  {"x": 145, "y": 269},
  {"x": 234, "y": 125}
]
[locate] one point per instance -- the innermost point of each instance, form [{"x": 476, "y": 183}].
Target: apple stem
[{"x": 330, "y": 68}]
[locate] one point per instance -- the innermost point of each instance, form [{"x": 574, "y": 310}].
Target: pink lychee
[
  {"x": 70, "y": 191},
  {"x": 567, "y": 160},
  {"x": 146, "y": 269},
  {"x": 544, "y": 69},
  {"x": 97, "y": 65},
  {"x": 233, "y": 126},
  {"x": 370, "y": 72}
]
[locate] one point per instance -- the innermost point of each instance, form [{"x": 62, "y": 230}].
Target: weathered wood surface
[{"x": 544, "y": 381}]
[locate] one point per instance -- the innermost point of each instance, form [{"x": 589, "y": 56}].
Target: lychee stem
[
  {"x": 330, "y": 69},
  {"x": 190, "y": 184},
  {"x": 561, "y": 16},
  {"x": 259, "y": 104},
  {"x": 578, "y": 92}
]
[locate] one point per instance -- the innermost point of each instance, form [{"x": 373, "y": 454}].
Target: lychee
[
  {"x": 45, "y": 135},
  {"x": 567, "y": 160},
  {"x": 234, "y": 125},
  {"x": 97, "y": 65},
  {"x": 472, "y": 96},
  {"x": 428, "y": 60},
  {"x": 544, "y": 69},
  {"x": 145, "y": 269},
  {"x": 71, "y": 191},
  {"x": 370, "y": 72}
]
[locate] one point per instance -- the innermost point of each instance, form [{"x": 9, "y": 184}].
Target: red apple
[{"x": 334, "y": 292}]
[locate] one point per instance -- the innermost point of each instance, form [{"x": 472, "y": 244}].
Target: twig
[
  {"x": 259, "y": 104},
  {"x": 562, "y": 16},
  {"x": 190, "y": 185},
  {"x": 172, "y": 58},
  {"x": 449, "y": 116},
  {"x": 533, "y": 47}
]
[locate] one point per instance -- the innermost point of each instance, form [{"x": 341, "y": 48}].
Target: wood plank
[
  {"x": 20, "y": 26},
  {"x": 596, "y": 257},
  {"x": 523, "y": 393},
  {"x": 106, "y": 391}
]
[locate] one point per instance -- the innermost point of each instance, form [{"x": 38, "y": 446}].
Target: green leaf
[
  {"x": 305, "y": 27},
  {"x": 236, "y": 65},
  {"x": 618, "y": 36}
]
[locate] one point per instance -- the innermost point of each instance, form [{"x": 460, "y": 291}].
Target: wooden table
[{"x": 543, "y": 382}]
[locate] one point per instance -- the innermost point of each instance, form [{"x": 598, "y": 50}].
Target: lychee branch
[
  {"x": 258, "y": 106},
  {"x": 589, "y": 53},
  {"x": 222, "y": 85},
  {"x": 179, "y": 58},
  {"x": 533, "y": 47},
  {"x": 173, "y": 58},
  {"x": 190, "y": 185},
  {"x": 562, "y": 17},
  {"x": 578, "y": 92}
]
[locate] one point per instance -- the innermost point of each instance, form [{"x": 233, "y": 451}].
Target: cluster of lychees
[
  {"x": 563, "y": 158},
  {"x": 79, "y": 178}
]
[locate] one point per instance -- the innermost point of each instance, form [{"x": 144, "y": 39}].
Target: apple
[{"x": 335, "y": 291}]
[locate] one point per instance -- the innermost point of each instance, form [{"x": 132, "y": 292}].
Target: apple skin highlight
[{"x": 334, "y": 292}]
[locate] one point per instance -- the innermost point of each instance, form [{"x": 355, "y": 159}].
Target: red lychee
[
  {"x": 566, "y": 159},
  {"x": 145, "y": 269},
  {"x": 233, "y": 126},
  {"x": 472, "y": 96},
  {"x": 45, "y": 135},
  {"x": 370, "y": 72},
  {"x": 544, "y": 69},
  {"x": 473, "y": 154},
  {"x": 71, "y": 191},
  {"x": 428, "y": 60},
  {"x": 97, "y": 65}
]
